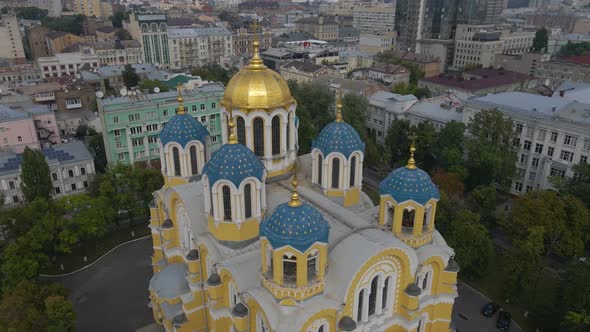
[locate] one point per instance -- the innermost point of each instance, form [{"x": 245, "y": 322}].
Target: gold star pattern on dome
[{"x": 338, "y": 137}]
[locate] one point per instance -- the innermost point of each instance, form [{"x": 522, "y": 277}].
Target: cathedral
[{"x": 253, "y": 237}]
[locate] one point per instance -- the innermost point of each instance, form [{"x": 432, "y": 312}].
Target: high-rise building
[
  {"x": 196, "y": 47},
  {"x": 379, "y": 17},
  {"x": 11, "y": 40},
  {"x": 92, "y": 8},
  {"x": 152, "y": 33}
]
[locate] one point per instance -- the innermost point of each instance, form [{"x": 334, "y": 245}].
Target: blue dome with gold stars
[
  {"x": 405, "y": 183},
  {"x": 338, "y": 137},
  {"x": 297, "y": 226},
  {"x": 235, "y": 163},
  {"x": 183, "y": 128}
]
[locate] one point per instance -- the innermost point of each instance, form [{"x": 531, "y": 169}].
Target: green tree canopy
[
  {"x": 491, "y": 156},
  {"x": 449, "y": 147},
  {"x": 576, "y": 296},
  {"x": 123, "y": 34},
  {"x": 578, "y": 186},
  {"x": 354, "y": 112},
  {"x": 573, "y": 49},
  {"x": 118, "y": 18},
  {"x": 71, "y": 24},
  {"x": 215, "y": 73},
  {"x": 130, "y": 77},
  {"x": 36, "y": 180},
  {"x": 152, "y": 84},
  {"x": 541, "y": 40}
]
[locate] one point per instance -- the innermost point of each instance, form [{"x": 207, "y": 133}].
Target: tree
[
  {"x": 96, "y": 146},
  {"x": 573, "y": 49},
  {"x": 31, "y": 13},
  {"x": 397, "y": 142},
  {"x": 448, "y": 149},
  {"x": 84, "y": 130},
  {"x": 36, "y": 180},
  {"x": 490, "y": 151},
  {"x": 541, "y": 40},
  {"x": 123, "y": 34},
  {"x": 578, "y": 185},
  {"x": 576, "y": 296},
  {"x": 152, "y": 84},
  {"x": 214, "y": 73},
  {"x": 482, "y": 200},
  {"x": 354, "y": 110},
  {"x": 314, "y": 104},
  {"x": 450, "y": 183},
  {"x": 118, "y": 19},
  {"x": 412, "y": 89},
  {"x": 562, "y": 222},
  {"x": 130, "y": 76},
  {"x": 71, "y": 24},
  {"x": 36, "y": 307}
]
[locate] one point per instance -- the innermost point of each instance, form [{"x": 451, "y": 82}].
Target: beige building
[
  {"x": 117, "y": 53},
  {"x": 66, "y": 64},
  {"x": 378, "y": 42},
  {"x": 553, "y": 73},
  {"x": 477, "y": 45},
  {"x": 430, "y": 65},
  {"x": 526, "y": 63},
  {"x": 380, "y": 17},
  {"x": 196, "y": 47},
  {"x": 243, "y": 38},
  {"x": 11, "y": 40},
  {"x": 92, "y": 8},
  {"x": 58, "y": 41},
  {"x": 321, "y": 27},
  {"x": 301, "y": 72}
]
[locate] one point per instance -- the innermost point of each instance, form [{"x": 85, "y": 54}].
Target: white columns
[
  {"x": 249, "y": 136},
  {"x": 215, "y": 201},
  {"x": 365, "y": 308},
  {"x": 267, "y": 140},
  {"x": 379, "y": 304},
  {"x": 284, "y": 125},
  {"x": 292, "y": 131}
]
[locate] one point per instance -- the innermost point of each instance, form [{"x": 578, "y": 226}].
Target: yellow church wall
[
  {"x": 351, "y": 196},
  {"x": 195, "y": 322},
  {"x": 438, "y": 266},
  {"x": 279, "y": 172},
  {"x": 328, "y": 314},
  {"x": 172, "y": 181},
  {"x": 253, "y": 310},
  {"x": 231, "y": 231},
  {"x": 196, "y": 302}
]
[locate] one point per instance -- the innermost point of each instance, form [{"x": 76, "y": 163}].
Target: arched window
[
  {"x": 241, "y": 124},
  {"x": 194, "y": 164},
  {"x": 226, "y": 193},
  {"x": 335, "y": 173},
  {"x": 352, "y": 171},
  {"x": 312, "y": 270},
  {"x": 176, "y": 158},
  {"x": 373, "y": 296},
  {"x": 248, "y": 200},
  {"x": 276, "y": 135},
  {"x": 360, "y": 305},
  {"x": 385, "y": 295},
  {"x": 408, "y": 219},
  {"x": 261, "y": 325},
  {"x": 288, "y": 132},
  {"x": 211, "y": 202},
  {"x": 390, "y": 215},
  {"x": 233, "y": 295},
  {"x": 289, "y": 269},
  {"x": 320, "y": 167},
  {"x": 426, "y": 222},
  {"x": 258, "y": 137}
]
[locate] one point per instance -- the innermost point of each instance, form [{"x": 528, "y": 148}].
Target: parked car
[
  {"x": 503, "y": 323},
  {"x": 489, "y": 309}
]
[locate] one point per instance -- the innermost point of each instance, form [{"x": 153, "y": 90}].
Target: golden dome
[{"x": 257, "y": 87}]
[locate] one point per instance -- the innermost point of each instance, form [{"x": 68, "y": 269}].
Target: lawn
[
  {"x": 492, "y": 284},
  {"x": 95, "y": 248}
]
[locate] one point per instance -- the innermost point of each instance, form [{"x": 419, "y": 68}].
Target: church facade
[{"x": 253, "y": 238}]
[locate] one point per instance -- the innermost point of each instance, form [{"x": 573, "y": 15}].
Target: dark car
[
  {"x": 489, "y": 309},
  {"x": 503, "y": 322}
]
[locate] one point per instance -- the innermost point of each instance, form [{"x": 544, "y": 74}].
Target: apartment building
[
  {"x": 526, "y": 63},
  {"x": 244, "y": 36},
  {"x": 63, "y": 64},
  {"x": 27, "y": 125},
  {"x": 12, "y": 75},
  {"x": 477, "y": 45},
  {"x": 553, "y": 135},
  {"x": 152, "y": 33},
  {"x": 53, "y": 7},
  {"x": 131, "y": 124},
  {"x": 376, "y": 18},
  {"x": 112, "y": 53},
  {"x": 11, "y": 39},
  {"x": 70, "y": 164},
  {"x": 376, "y": 42},
  {"x": 300, "y": 71},
  {"x": 196, "y": 47},
  {"x": 575, "y": 69},
  {"x": 321, "y": 27},
  {"x": 388, "y": 73},
  {"x": 385, "y": 107},
  {"x": 92, "y": 8}
]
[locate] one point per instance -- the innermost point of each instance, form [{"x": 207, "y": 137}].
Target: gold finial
[
  {"x": 339, "y": 107},
  {"x": 411, "y": 162},
  {"x": 232, "y": 136},
  {"x": 180, "y": 105},
  {"x": 256, "y": 62},
  {"x": 294, "y": 202}
]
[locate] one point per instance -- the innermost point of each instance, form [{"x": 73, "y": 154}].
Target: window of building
[
  {"x": 115, "y": 119},
  {"x": 529, "y": 188},
  {"x": 137, "y": 141},
  {"x": 11, "y": 185},
  {"x": 566, "y": 155},
  {"x": 352, "y": 171},
  {"x": 557, "y": 172},
  {"x": 15, "y": 199},
  {"x": 85, "y": 184},
  {"x": 583, "y": 159},
  {"x": 586, "y": 143},
  {"x": 527, "y": 145},
  {"x": 516, "y": 142},
  {"x": 535, "y": 162},
  {"x": 202, "y": 107},
  {"x": 20, "y": 138},
  {"x": 71, "y": 173},
  {"x": 194, "y": 164},
  {"x": 517, "y": 186},
  {"x": 570, "y": 140},
  {"x": 226, "y": 198},
  {"x": 117, "y": 132},
  {"x": 532, "y": 176},
  {"x": 83, "y": 171},
  {"x": 335, "y": 173},
  {"x": 553, "y": 136},
  {"x": 241, "y": 126},
  {"x": 194, "y": 108},
  {"x": 550, "y": 150},
  {"x": 213, "y": 105},
  {"x": 518, "y": 128},
  {"x": 248, "y": 200},
  {"x": 176, "y": 159},
  {"x": 73, "y": 186},
  {"x": 258, "y": 124},
  {"x": 524, "y": 158},
  {"x": 152, "y": 139},
  {"x": 289, "y": 269},
  {"x": 539, "y": 148},
  {"x": 276, "y": 135},
  {"x": 57, "y": 190},
  {"x": 54, "y": 176}
]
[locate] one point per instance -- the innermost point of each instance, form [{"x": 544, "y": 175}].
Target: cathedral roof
[
  {"x": 404, "y": 184},
  {"x": 235, "y": 163},
  {"x": 338, "y": 137},
  {"x": 183, "y": 128},
  {"x": 257, "y": 87}
]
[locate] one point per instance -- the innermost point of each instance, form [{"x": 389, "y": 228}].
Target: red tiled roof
[
  {"x": 582, "y": 59},
  {"x": 488, "y": 78}
]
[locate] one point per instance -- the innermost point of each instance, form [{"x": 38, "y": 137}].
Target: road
[
  {"x": 112, "y": 295},
  {"x": 466, "y": 315}
]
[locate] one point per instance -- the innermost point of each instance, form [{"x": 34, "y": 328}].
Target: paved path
[
  {"x": 112, "y": 295},
  {"x": 466, "y": 315}
]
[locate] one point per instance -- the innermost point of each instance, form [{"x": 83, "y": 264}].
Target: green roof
[{"x": 173, "y": 82}]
